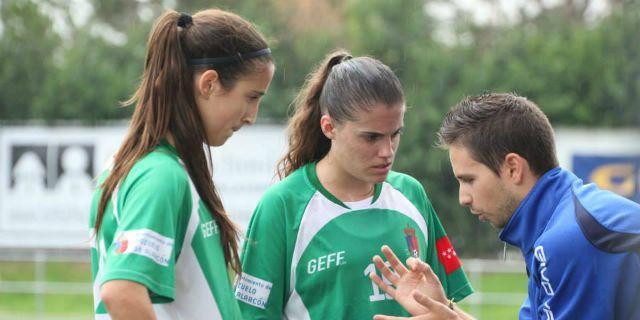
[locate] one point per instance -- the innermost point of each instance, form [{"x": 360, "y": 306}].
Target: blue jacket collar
[{"x": 535, "y": 210}]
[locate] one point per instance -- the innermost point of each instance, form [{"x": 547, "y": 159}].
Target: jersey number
[{"x": 377, "y": 295}]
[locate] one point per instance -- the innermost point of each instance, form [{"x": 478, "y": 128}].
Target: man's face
[{"x": 488, "y": 196}]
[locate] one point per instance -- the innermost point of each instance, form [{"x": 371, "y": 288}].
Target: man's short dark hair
[{"x": 492, "y": 125}]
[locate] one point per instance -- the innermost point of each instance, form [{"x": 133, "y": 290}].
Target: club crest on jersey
[
  {"x": 412, "y": 241},
  {"x": 121, "y": 244}
]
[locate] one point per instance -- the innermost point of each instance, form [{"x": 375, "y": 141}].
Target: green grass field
[
  {"x": 63, "y": 306},
  {"x": 79, "y": 306},
  {"x": 506, "y": 283}
]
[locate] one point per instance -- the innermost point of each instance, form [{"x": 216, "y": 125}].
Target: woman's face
[
  {"x": 365, "y": 148},
  {"x": 224, "y": 111}
]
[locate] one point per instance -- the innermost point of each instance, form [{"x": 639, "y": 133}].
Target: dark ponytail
[
  {"x": 307, "y": 143},
  {"x": 164, "y": 66},
  {"x": 341, "y": 86}
]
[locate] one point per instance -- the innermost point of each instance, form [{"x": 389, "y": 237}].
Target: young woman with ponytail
[
  {"x": 163, "y": 242},
  {"x": 311, "y": 238}
]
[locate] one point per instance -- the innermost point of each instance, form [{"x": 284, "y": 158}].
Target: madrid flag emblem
[{"x": 447, "y": 255}]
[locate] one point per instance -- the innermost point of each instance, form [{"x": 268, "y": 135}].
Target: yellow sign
[{"x": 618, "y": 178}]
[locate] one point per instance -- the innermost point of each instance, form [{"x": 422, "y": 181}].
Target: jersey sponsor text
[
  {"x": 146, "y": 243},
  {"x": 325, "y": 262},
  {"x": 208, "y": 228},
  {"x": 253, "y": 290},
  {"x": 544, "y": 281}
]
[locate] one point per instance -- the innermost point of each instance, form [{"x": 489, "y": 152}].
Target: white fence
[
  {"x": 40, "y": 287},
  {"x": 475, "y": 268}
]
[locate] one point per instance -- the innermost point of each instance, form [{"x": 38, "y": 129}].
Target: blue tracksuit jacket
[{"x": 581, "y": 248}]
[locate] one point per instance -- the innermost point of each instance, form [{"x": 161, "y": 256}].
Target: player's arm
[
  {"x": 262, "y": 287},
  {"x": 126, "y": 300},
  {"x": 139, "y": 264},
  {"x": 440, "y": 254}
]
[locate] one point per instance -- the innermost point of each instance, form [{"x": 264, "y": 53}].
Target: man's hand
[
  {"x": 404, "y": 281},
  {"x": 417, "y": 289}
]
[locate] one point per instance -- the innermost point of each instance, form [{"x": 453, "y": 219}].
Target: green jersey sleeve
[
  {"x": 443, "y": 258},
  {"x": 263, "y": 285},
  {"x": 440, "y": 254},
  {"x": 147, "y": 213}
]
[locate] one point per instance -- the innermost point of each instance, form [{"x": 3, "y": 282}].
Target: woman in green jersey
[
  {"x": 163, "y": 241},
  {"x": 311, "y": 238}
]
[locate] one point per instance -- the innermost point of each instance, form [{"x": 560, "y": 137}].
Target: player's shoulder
[
  {"x": 158, "y": 170},
  {"x": 407, "y": 185},
  {"x": 295, "y": 188},
  {"x": 293, "y": 183},
  {"x": 403, "y": 181}
]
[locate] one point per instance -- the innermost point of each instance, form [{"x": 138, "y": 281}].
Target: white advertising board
[{"x": 47, "y": 177}]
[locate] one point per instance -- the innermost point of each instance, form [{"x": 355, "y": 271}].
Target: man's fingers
[
  {"x": 386, "y": 272},
  {"x": 383, "y": 286},
  {"x": 433, "y": 305},
  {"x": 424, "y": 268},
  {"x": 393, "y": 260},
  {"x": 424, "y": 299}
]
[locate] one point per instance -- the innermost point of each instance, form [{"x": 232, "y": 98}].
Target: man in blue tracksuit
[
  {"x": 581, "y": 244},
  {"x": 578, "y": 244}
]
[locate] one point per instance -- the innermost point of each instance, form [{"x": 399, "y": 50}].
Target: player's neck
[{"x": 340, "y": 183}]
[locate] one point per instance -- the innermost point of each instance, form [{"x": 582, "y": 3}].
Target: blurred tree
[
  {"x": 90, "y": 81},
  {"x": 580, "y": 73},
  {"x": 301, "y": 34},
  {"x": 582, "y": 66},
  {"x": 27, "y": 48}
]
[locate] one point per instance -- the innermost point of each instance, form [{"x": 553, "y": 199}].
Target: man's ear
[
  {"x": 327, "y": 125},
  {"x": 515, "y": 167},
  {"x": 208, "y": 83}
]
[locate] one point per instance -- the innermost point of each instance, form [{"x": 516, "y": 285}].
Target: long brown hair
[
  {"x": 165, "y": 102},
  {"x": 340, "y": 86}
]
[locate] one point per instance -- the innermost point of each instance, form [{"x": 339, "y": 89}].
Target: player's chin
[
  {"x": 219, "y": 140},
  {"x": 379, "y": 177}
]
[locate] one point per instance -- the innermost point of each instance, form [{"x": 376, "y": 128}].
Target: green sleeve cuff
[{"x": 461, "y": 292}]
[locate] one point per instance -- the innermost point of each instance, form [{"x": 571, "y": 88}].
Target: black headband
[{"x": 229, "y": 59}]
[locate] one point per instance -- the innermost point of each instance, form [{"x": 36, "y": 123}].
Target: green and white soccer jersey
[
  {"x": 157, "y": 232},
  {"x": 308, "y": 255}
]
